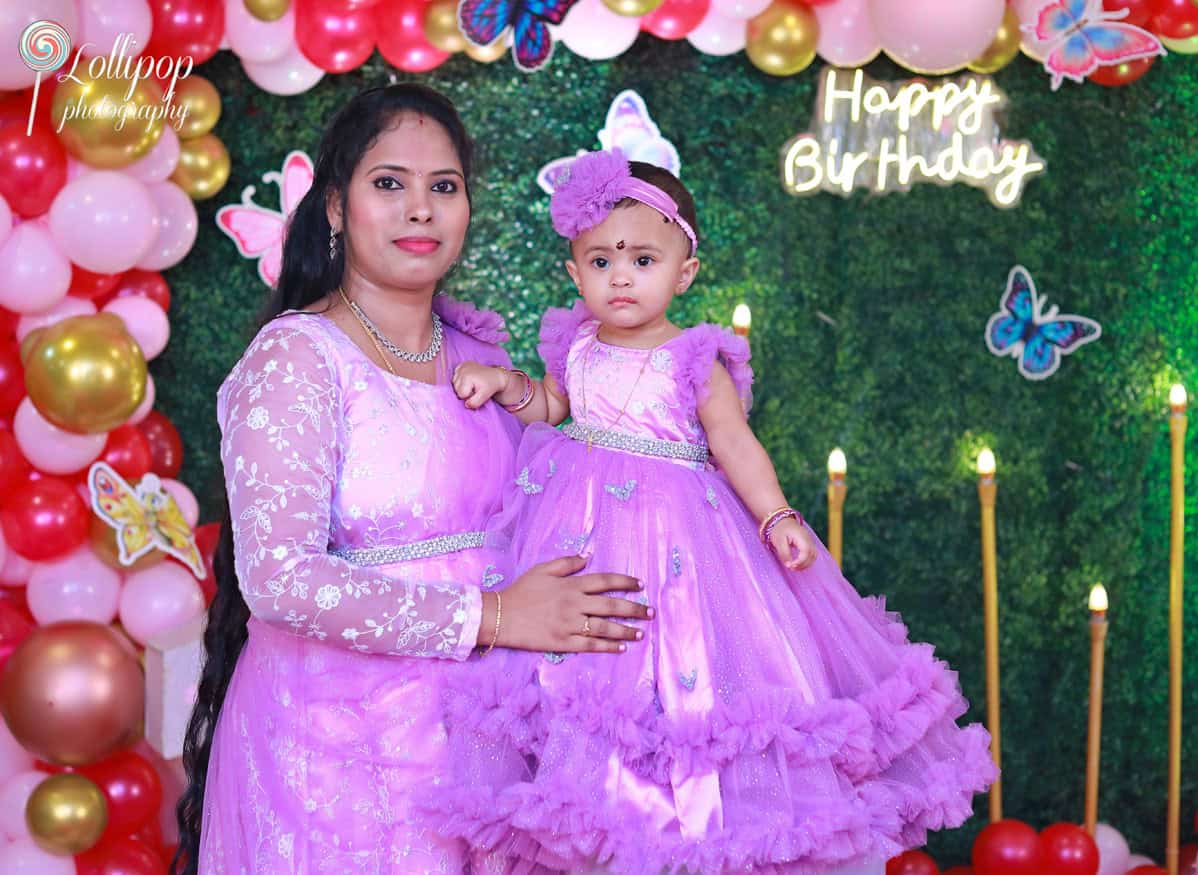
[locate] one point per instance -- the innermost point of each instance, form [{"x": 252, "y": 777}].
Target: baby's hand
[
  {"x": 477, "y": 384},
  {"x": 789, "y": 534}
]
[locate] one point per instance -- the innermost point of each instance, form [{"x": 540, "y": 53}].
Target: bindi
[{"x": 620, "y": 245}]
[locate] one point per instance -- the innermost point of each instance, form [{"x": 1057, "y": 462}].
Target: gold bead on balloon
[
  {"x": 103, "y": 122},
  {"x": 1003, "y": 48},
  {"x": 66, "y": 814},
  {"x": 202, "y": 102},
  {"x": 203, "y": 167},
  {"x": 781, "y": 41}
]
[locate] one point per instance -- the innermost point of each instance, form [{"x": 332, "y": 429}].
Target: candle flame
[
  {"x": 837, "y": 464},
  {"x": 986, "y": 463},
  {"x": 1098, "y": 599},
  {"x": 1177, "y": 396},
  {"x": 742, "y": 317}
]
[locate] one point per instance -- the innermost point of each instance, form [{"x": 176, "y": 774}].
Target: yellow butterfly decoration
[{"x": 145, "y": 517}]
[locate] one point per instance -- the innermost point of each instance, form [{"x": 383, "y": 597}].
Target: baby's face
[{"x": 631, "y": 265}]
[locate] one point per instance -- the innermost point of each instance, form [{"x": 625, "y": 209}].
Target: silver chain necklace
[{"x": 418, "y": 358}]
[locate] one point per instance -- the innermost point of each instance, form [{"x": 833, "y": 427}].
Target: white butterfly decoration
[{"x": 628, "y": 128}]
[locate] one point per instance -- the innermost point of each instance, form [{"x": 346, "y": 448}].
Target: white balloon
[
  {"x": 14, "y": 795},
  {"x": 718, "y": 34},
  {"x": 290, "y": 74},
  {"x": 34, "y": 273},
  {"x": 740, "y": 8},
  {"x": 104, "y": 22},
  {"x": 591, "y": 30},
  {"x": 23, "y": 857},
  {"x": 5, "y": 219},
  {"x": 50, "y": 448},
  {"x": 259, "y": 42},
  {"x": 64, "y": 309}
]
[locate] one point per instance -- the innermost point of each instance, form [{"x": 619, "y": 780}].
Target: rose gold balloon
[{"x": 73, "y": 692}]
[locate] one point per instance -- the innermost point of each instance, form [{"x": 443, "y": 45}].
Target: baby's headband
[{"x": 596, "y": 182}]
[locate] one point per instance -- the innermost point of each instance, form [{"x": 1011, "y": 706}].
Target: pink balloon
[
  {"x": 14, "y": 18},
  {"x": 14, "y": 795},
  {"x": 103, "y": 221},
  {"x": 740, "y": 9},
  {"x": 76, "y": 168},
  {"x": 3, "y": 558},
  {"x": 591, "y": 30},
  {"x": 50, "y": 448},
  {"x": 64, "y": 309},
  {"x": 188, "y": 506},
  {"x": 718, "y": 34},
  {"x": 79, "y": 586},
  {"x": 5, "y": 219},
  {"x": 290, "y": 74},
  {"x": 15, "y": 571},
  {"x": 177, "y": 225},
  {"x": 34, "y": 272},
  {"x": 159, "y": 163},
  {"x": 145, "y": 322},
  {"x": 102, "y": 22},
  {"x": 936, "y": 36},
  {"x": 14, "y": 759},
  {"x": 1029, "y": 13},
  {"x": 159, "y": 598},
  {"x": 1112, "y": 850},
  {"x": 23, "y": 857},
  {"x": 846, "y": 33},
  {"x": 147, "y": 403},
  {"x": 259, "y": 42}
]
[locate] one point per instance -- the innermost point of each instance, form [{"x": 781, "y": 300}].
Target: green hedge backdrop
[{"x": 868, "y": 322}]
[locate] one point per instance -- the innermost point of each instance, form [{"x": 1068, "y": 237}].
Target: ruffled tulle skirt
[{"x": 769, "y": 721}]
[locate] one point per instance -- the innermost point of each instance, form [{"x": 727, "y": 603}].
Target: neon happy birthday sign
[{"x": 887, "y": 136}]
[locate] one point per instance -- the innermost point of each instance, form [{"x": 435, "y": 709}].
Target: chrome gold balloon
[
  {"x": 781, "y": 41},
  {"x": 66, "y": 814},
  {"x": 203, "y": 167},
  {"x": 202, "y": 103},
  {"x": 106, "y": 123}
]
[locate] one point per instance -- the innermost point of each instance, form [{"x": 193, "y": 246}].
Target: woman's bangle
[
  {"x": 526, "y": 398},
  {"x": 498, "y": 618},
  {"x": 773, "y": 518}
]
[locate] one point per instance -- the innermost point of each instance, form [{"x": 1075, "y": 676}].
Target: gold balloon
[
  {"x": 203, "y": 167},
  {"x": 490, "y": 53},
  {"x": 1187, "y": 46},
  {"x": 85, "y": 374},
  {"x": 66, "y": 814},
  {"x": 1003, "y": 48},
  {"x": 632, "y": 8},
  {"x": 202, "y": 103},
  {"x": 441, "y": 26},
  {"x": 267, "y": 10},
  {"x": 102, "y": 123},
  {"x": 73, "y": 692},
  {"x": 781, "y": 41},
  {"x": 103, "y": 541}
]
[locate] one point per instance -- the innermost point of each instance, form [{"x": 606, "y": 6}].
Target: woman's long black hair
[{"x": 308, "y": 274}]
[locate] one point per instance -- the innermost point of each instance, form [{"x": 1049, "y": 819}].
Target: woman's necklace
[
  {"x": 586, "y": 404},
  {"x": 377, "y": 337}
]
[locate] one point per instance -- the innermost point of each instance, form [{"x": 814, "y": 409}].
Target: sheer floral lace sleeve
[{"x": 281, "y": 428}]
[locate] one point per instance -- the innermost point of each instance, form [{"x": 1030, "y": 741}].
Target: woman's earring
[{"x": 332, "y": 245}]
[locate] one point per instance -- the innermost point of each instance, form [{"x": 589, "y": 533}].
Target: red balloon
[
  {"x": 912, "y": 863},
  {"x": 1138, "y": 11},
  {"x": 1122, "y": 74},
  {"x": 401, "y": 39},
  {"x": 33, "y": 167},
  {"x": 14, "y": 468},
  {"x": 674, "y": 19},
  {"x": 132, "y": 788},
  {"x": 207, "y": 537},
  {"x": 1008, "y": 847},
  {"x": 12, "y": 377},
  {"x": 186, "y": 27},
  {"x": 332, "y": 37},
  {"x": 151, "y": 834},
  {"x": 8, "y": 324},
  {"x": 15, "y": 107},
  {"x": 1069, "y": 850},
  {"x": 128, "y": 452},
  {"x": 958, "y": 870},
  {"x": 165, "y": 446},
  {"x": 15, "y": 626},
  {"x": 120, "y": 856},
  {"x": 85, "y": 284},
  {"x": 1187, "y": 855},
  {"x": 1148, "y": 870},
  {"x": 144, "y": 284},
  {"x": 44, "y": 518},
  {"x": 1175, "y": 19}
]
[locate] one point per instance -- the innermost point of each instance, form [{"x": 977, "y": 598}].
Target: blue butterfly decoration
[
  {"x": 484, "y": 21},
  {"x": 1023, "y": 331}
]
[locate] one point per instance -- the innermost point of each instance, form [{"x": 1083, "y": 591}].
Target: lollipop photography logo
[{"x": 148, "y": 83}]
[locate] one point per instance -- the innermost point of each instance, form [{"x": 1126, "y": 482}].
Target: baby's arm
[
  {"x": 748, "y": 467},
  {"x": 477, "y": 384}
]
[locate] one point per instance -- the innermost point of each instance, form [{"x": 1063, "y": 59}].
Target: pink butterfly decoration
[
  {"x": 1080, "y": 36},
  {"x": 257, "y": 231}
]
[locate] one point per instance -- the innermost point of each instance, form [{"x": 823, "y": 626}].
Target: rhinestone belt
[
  {"x": 425, "y": 549},
  {"x": 622, "y": 440}
]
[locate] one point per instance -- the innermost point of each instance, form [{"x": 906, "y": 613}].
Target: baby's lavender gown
[
  {"x": 358, "y": 502},
  {"x": 769, "y": 722}
]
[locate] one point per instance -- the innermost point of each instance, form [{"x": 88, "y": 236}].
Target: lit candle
[
  {"x": 836, "y": 490},
  {"x": 1098, "y": 627},
  {"x": 986, "y": 491},
  {"x": 1177, "y": 435},
  {"x": 742, "y": 320}
]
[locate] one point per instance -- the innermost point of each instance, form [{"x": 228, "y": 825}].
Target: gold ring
[{"x": 586, "y": 627}]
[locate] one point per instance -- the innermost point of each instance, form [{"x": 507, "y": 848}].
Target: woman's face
[{"x": 408, "y": 212}]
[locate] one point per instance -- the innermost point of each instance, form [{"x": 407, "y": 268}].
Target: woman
[{"x": 358, "y": 486}]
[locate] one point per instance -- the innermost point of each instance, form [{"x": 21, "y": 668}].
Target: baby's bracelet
[
  {"x": 498, "y": 617},
  {"x": 527, "y": 397},
  {"x": 774, "y": 517}
]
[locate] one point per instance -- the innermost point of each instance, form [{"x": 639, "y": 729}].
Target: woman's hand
[
  {"x": 477, "y": 384},
  {"x": 550, "y": 608},
  {"x": 792, "y": 544}
]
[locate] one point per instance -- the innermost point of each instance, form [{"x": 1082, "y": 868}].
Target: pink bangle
[
  {"x": 526, "y": 398},
  {"x": 767, "y": 527}
]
